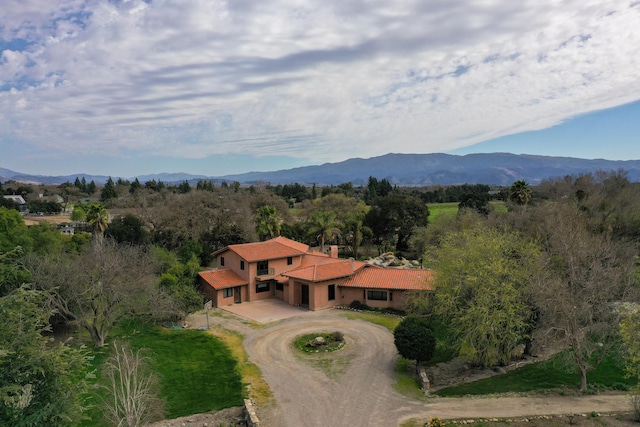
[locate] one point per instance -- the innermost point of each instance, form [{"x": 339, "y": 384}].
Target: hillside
[{"x": 399, "y": 169}]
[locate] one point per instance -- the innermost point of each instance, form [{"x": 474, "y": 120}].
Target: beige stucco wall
[
  {"x": 222, "y": 301},
  {"x": 232, "y": 261},
  {"x": 319, "y": 295},
  {"x": 349, "y": 295},
  {"x": 209, "y": 292},
  {"x": 278, "y": 266}
]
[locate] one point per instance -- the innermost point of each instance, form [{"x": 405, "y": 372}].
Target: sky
[{"x": 133, "y": 87}]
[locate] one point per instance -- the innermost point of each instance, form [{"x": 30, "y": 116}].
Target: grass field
[
  {"x": 382, "y": 319},
  {"x": 551, "y": 374},
  {"x": 443, "y": 211},
  {"x": 197, "y": 371}
]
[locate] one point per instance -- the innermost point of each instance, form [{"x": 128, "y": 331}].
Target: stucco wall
[
  {"x": 319, "y": 295},
  {"x": 277, "y": 266},
  {"x": 209, "y": 292},
  {"x": 232, "y": 261},
  {"x": 222, "y": 301},
  {"x": 348, "y": 295}
]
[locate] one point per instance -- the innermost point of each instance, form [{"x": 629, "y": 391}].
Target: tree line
[
  {"x": 553, "y": 266},
  {"x": 558, "y": 270}
]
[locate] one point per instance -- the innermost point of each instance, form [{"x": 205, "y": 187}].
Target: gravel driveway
[
  {"x": 307, "y": 396},
  {"x": 357, "y": 389}
]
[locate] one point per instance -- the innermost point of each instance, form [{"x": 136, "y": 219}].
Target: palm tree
[
  {"x": 267, "y": 222},
  {"x": 520, "y": 192},
  {"x": 324, "y": 226},
  {"x": 355, "y": 232},
  {"x": 98, "y": 217}
]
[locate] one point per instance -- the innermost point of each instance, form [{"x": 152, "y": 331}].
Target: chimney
[{"x": 333, "y": 251}]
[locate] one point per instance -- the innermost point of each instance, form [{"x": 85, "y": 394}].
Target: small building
[
  {"x": 288, "y": 270},
  {"x": 22, "y": 204},
  {"x": 67, "y": 229}
]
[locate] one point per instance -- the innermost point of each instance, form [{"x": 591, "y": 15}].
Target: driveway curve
[
  {"x": 363, "y": 394},
  {"x": 307, "y": 396}
]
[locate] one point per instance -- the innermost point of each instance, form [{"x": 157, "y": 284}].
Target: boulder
[{"x": 319, "y": 341}]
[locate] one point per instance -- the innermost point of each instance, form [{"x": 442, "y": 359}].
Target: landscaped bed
[{"x": 324, "y": 342}]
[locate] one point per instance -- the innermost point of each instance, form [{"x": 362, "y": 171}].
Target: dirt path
[
  {"x": 357, "y": 388},
  {"x": 513, "y": 407}
]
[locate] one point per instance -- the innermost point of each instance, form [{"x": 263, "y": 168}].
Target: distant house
[
  {"x": 19, "y": 200},
  {"x": 285, "y": 269},
  {"x": 67, "y": 229}
]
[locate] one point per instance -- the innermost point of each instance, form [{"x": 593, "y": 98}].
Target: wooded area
[{"x": 516, "y": 267}]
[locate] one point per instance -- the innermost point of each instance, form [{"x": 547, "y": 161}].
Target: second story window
[
  {"x": 241, "y": 265},
  {"x": 221, "y": 261},
  {"x": 289, "y": 260},
  {"x": 263, "y": 268}
]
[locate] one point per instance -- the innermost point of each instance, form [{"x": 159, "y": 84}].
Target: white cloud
[{"x": 321, "y": 80}]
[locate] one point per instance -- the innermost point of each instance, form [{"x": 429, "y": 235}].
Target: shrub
[
  {"x": 337, "y": 336},
  {"x": 357, "y": 305},
  {"x": 414, "y": 339},
  {"x": 435, "y": 422},
  {"x": 620, "y": 386}
]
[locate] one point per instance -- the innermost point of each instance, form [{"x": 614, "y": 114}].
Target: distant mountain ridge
[{"x": 399, "y": 169}]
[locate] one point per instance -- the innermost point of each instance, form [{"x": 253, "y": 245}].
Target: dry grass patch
[{"x": 258, "y": 390}]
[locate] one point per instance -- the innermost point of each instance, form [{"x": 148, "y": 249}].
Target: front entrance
[
  {"x": 237, "y": 295},
  {"x": 304, "y": 300}
]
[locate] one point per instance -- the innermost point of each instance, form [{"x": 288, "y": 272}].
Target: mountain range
[{"x": 400, "y": 169}]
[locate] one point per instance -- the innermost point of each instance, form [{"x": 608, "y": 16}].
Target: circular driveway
[
  {"x": 354, "y": 386},
  {"x": 356, "y": 392}
]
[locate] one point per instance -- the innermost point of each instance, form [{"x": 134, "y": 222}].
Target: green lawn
[
  {"x": 197, "y": 371},
  {"x": 551, "y": 374},
  {"x": 442, "y": 211},
  {"x": 382, "y": 319}
]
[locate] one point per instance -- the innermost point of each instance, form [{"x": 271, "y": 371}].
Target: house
[
  {"x": 19, "y": 200},
  {"x": 289, "y": 270}
]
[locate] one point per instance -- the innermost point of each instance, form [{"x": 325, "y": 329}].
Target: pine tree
[{"x": 109, "y": 191}]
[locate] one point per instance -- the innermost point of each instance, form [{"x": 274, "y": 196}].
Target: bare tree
[
  {"x": 131, "y": 388},
  {"x": 98, "y": 287},
  {"x": 587, "y": 274},
  {"x": 181, "y": 217}
]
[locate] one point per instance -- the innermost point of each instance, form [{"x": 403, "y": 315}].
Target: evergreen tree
[
  {"x": 184, "y": 187},
  {"x": 135, "y": 186},
  {"x": 414, "y": 339},
  {"x": 91, "y": 188},
  {"x": 109, "y": 191}
]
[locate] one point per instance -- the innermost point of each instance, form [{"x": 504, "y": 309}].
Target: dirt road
[{"x": 355, "y": 387}]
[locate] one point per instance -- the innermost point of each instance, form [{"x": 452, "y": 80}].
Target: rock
[
  {"x": 424, "y": 379},
  {"x": 319, "y": 341}
]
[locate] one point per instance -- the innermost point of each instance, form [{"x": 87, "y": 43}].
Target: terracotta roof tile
[
  {"x": 220, "y": 279},
  {"x": 318, "y": 267},
  {"x": 280, "y": 247},
  {"x": 391, "y": 278}
]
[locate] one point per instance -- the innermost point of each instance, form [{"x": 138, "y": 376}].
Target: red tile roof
[
  {"x": 316, "y": 267},
  {"x": 391, "y": 278},
  {"x": 280, "y": 247},
  {"x": 220, "y": 279}
]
